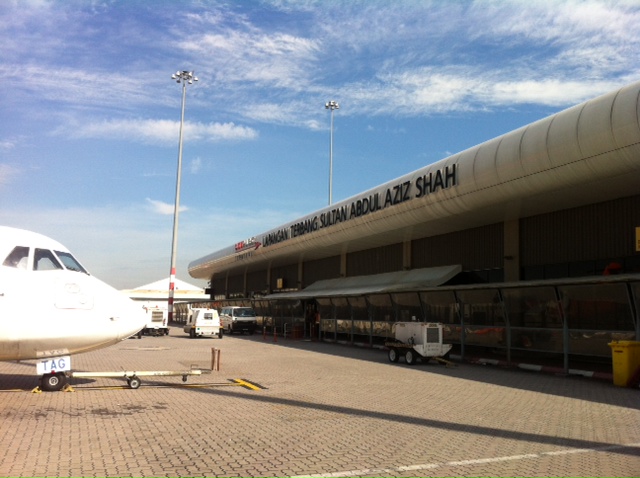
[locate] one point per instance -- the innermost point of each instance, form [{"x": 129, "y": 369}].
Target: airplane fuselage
[{"x": 50, "y": 306}]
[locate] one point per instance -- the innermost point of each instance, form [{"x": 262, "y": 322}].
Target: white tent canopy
[{"x": 159, "y": 290}]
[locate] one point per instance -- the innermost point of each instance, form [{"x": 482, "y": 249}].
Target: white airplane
[{"x": 51, "y": 308}]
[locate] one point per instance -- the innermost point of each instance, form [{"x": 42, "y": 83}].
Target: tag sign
[{"x": 54, "y": 364}]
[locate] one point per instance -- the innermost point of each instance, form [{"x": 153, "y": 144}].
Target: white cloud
[
  {"x": 548, "y": 92},
  {"x": 218, "y": 132},
  {"x": 195, "y": 165},
  {"x": 315, "y": 125},
  {"x": 546, "y": 53},
  {"x": 161, "y": 132},
  {"x": 161, "y": 207},
  {"x": 400, "y": 58},
  {"x": 267, "y": 59},
  {"x": 269, "y": 112},
  {"x": 425, "y": 91},
  {"x": 82, "y": 88},
  {"x": 549, "y": 21},
  {"x": 7, "y": 172},
  {"x": 7, "y": 144}
]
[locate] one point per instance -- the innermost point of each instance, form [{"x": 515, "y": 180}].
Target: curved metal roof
[{"x": 586, "y": 154}]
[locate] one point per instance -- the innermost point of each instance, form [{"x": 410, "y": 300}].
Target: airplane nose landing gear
[{"x": 52, "y": 382}]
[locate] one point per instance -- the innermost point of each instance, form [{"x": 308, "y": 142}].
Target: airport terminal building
[{"x": 525, "y": 245}]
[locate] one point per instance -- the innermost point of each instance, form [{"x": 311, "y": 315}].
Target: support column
[
  {"x": 406, "y": 255},
  {"x": 343, "y": 264},
  {"x": 511, "y": 262},
  {"x": 300, "y": 283},
  {"x": 269, "y": 278}
]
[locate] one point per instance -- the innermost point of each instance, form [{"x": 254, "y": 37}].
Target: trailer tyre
[
  {"x": 53, "y": 382},
  {"x": 134, "y": 382},
  {"x": 393, "y": 355},
  {"x": 410, "y": 357}
]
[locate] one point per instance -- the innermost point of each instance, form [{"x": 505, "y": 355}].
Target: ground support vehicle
[
  {"x": 202, "y": 323},
  {"x": 417, "y": 340},
  {"x": 157, "y": 323},
  {"x": 239, "y": 319}
]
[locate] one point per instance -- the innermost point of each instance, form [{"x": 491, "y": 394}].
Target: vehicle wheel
[
  {"x": 410, "y": 357},
  {"x": 393, "y": 355},
  {"x": 134, "y": 382},
  {"x": 52, "y": 382},
  {"x": 192, "y": 333},
  {"x": 220, "y": 334}
]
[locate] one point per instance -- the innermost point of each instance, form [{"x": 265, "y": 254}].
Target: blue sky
[{"x": 89, "y": 115}]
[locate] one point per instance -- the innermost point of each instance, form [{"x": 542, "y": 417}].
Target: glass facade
[
  {"x": 407, "y": 306},
  {"x": 541, "y": 319},
  {"x": 597, "y": 314},
  {"x": 535, "y": 319}
]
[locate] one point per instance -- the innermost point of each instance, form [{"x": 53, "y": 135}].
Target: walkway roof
[{"x": 405, "y": 281}]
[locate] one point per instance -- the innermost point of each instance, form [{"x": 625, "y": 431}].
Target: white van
[
  {"x": 203, "y": 322},
  {"x": 239, "y": 319}
]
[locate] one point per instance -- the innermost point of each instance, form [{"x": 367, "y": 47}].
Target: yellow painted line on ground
[{"x": 247, "y": 384}]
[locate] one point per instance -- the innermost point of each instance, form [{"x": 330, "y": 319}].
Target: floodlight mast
[
  {"x": 184, "y": 77},
  {"x": 331, "y": 105}
]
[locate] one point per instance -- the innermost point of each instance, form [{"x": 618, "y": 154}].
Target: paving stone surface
[{"x": 299, "y": 408}]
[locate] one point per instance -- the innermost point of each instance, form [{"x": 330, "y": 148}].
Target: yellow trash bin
[{"x": 626, "y": 362}]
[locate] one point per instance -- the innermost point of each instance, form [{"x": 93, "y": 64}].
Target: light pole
[
  {"x": 331, "y": 105},
  {"x": 184, "y": 77}
]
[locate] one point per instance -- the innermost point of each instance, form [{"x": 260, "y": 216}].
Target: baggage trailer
[
  {"x": 133, "y": 377},
  {"x": 417, "y": 340}
]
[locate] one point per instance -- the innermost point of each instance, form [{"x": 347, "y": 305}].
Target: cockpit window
[
  {"x": 70, "y": 262},
  {"x": 18, "y": 258},
  {"x": 44, "y": 260}
]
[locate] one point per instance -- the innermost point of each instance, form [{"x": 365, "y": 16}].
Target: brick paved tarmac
[{"x": 325, "y": 410}]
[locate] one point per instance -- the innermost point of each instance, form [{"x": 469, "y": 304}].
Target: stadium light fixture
[
  {"x": 331, "y": 105},
  {"x": 184, "y": 77}
]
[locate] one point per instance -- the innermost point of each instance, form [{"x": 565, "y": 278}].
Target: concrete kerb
[
  {"x": 536, "y": 368},
  {"x": 606, "y": 376}
]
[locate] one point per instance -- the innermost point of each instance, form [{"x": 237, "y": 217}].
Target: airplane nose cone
[
  {"x": 130, "y": 318},
  {"x": 125, "y": 315}
]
